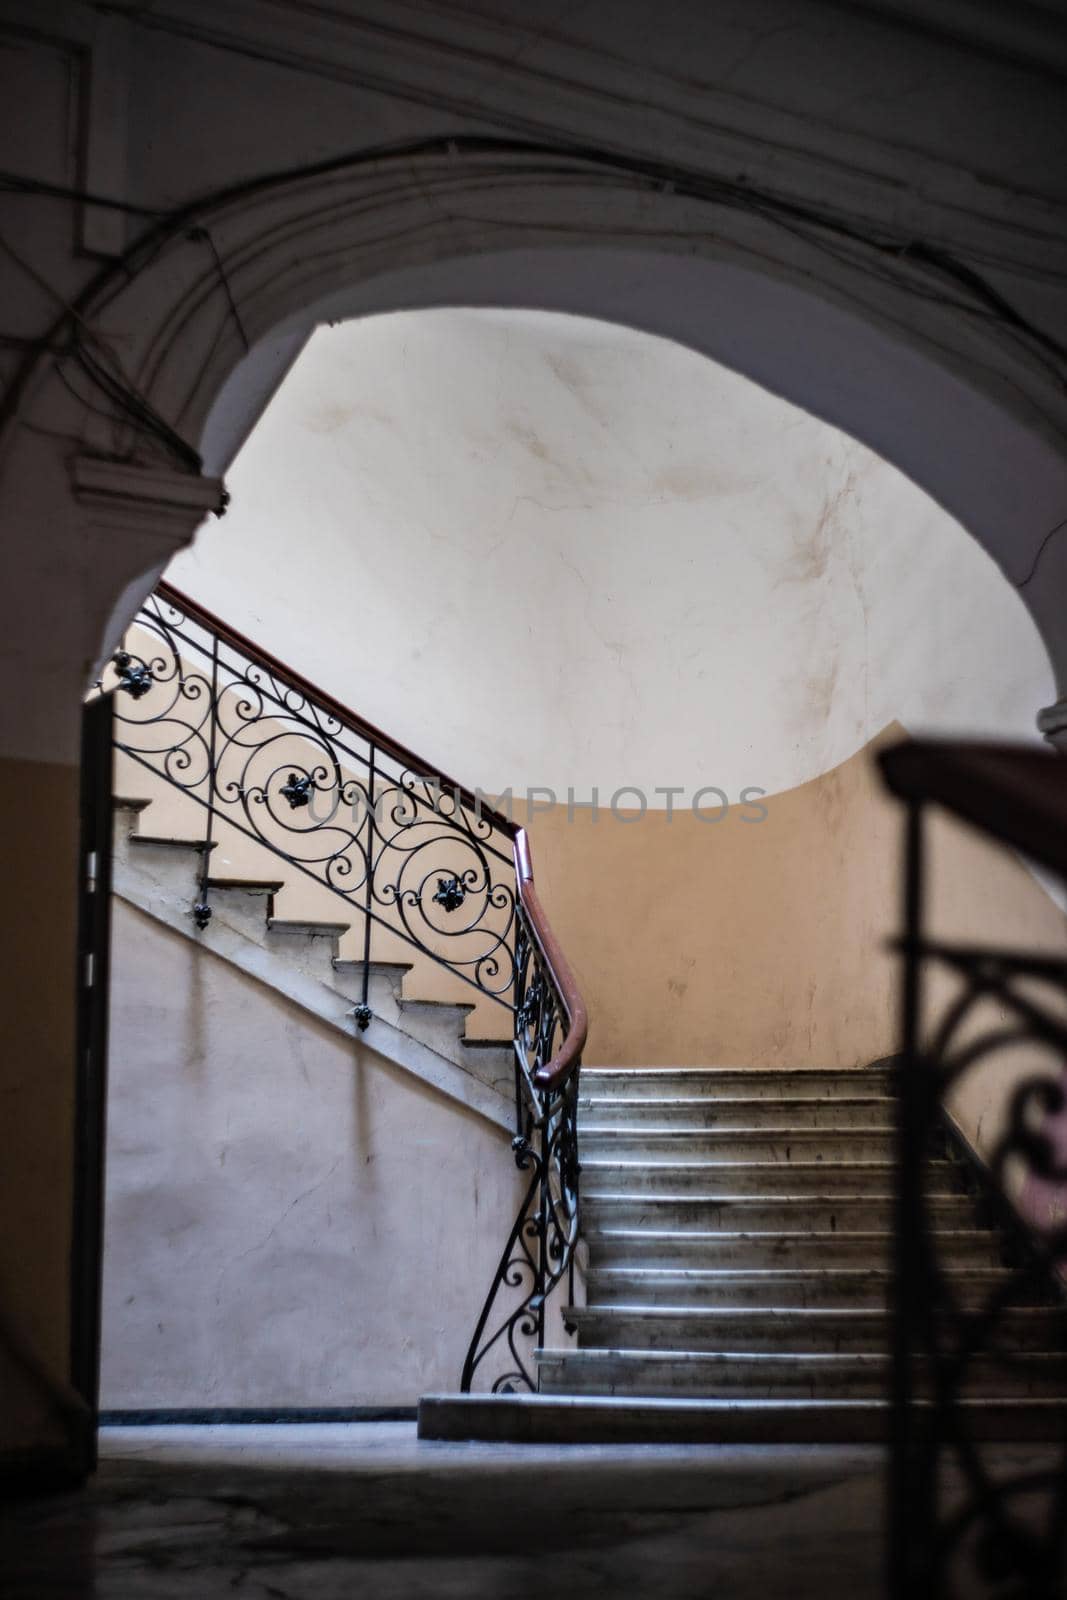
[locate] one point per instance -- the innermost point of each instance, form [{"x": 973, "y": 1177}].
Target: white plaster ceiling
[{"x": 545, "y": 550}]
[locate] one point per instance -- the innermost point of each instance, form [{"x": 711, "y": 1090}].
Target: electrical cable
[{"x": 564, "y": 159}]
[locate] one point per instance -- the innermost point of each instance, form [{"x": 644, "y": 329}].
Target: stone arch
[{"x": 205, "y": 313}]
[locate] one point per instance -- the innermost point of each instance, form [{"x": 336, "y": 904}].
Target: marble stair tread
[
  {"x": 773, "y": 1287},
  {"x": 694, "y": 1113},
  {"x": 711, "y": 1176},
  {"x": 738, "y": 1235},
  {"x": 781, "y": 1374},
  {"x": 735, "y": 1213},
  {"x": 611, "y": 1242},
  {"x": 771, "y": 1330},
  {"x": 751, "y": 1083},
  {"x": 617, "y": 1419},
  {"x": 780, "y": 1144}
]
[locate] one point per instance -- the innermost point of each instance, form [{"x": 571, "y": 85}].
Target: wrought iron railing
[
  {"x": 550, "y": 1028},
  {"x": 415, "y": 857},
  {"x": 967, "y": 1518}
]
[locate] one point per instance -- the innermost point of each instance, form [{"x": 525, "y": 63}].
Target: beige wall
[
  {"x": 731, "y": 943},
  {"x": 291, "y": 1220},
  {"x": 39, "y": 821},
  {"x": 764, "y": 944}
]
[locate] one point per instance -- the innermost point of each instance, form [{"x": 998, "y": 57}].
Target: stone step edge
[
  {"x": 586, "y": 1100},
  {"x": 635, "y": 1356},
  {"x": 762, "y": 1235},
  {"x": 738, "y": 1072},
  {"x": 684, "y": 1197},
  {"x": 602, "y": 1130},
  {"x": 745, "y": 1314},
  {"x": 628, "y": 1164},
  {"x": 751, "y": 1275},
  {"x": 620, "y": 1420}
]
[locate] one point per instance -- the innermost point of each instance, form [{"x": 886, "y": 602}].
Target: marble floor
[{"x": 337, "y": 1512}]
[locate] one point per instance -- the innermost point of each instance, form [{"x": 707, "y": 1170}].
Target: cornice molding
[{"x": 153, "y": 502}]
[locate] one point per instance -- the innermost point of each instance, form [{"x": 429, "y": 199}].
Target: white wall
[{"x": 543, "y": 550}]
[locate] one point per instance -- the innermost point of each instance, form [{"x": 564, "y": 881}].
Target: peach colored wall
[
  {"x": 763, "y": 944},
  {"x": 734, "y": 942}
]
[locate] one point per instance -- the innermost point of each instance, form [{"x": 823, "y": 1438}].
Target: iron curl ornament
[
  {"x": 970, "y": 1517},
  {"x": 252, "y": 745}
]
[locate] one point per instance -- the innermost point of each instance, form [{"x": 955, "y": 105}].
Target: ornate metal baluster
[
  {"x": 539, "y": 1252},
  {"x": 362, "y": 1013},
  {"x": 202, "y": 909}
]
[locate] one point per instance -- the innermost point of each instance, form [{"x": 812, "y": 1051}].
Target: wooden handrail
[{"x": 553, "y": 1074}]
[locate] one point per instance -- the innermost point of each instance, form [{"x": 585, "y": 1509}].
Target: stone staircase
[
  {"x": 738, "y": 1231},
  {"x": 303, "y": 955}
]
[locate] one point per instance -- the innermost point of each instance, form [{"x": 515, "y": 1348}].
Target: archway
[
  {"x": 204, "y": 314},
  {"x": 103, "y": 484},
  {"x": 744, "y": 945}
]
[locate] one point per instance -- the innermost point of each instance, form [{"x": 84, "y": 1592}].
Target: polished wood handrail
[{"x": 553, "y": 1074}]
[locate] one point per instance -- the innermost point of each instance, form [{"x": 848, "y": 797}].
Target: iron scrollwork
[
  {"x": 407, "y": 854},
  {"x": 967, "y": 1518},
  {"x": 229, "y": 729},
  {"x": 539, "y": 1253}
]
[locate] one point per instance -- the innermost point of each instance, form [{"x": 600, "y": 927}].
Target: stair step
[
  {"x": 771, "y": 1330},
  {"x": 609, "y": 1419},
  {"x": 788, "y": 1178},
  {"x": 287, "y": 928},
  {"x": 773, "y": 1287},
  {"x": 613, "y": 1242},
  {"x": 733, "y": 1082},
  {"x": 747, "y": 1213},
  {"x": 354, "y": 969},
  {"x": 633, "y": 1111},
  {"x": 784, "y": 1144},
  {"x": 384, "y": 983},
  {"x": 430, "y": 1008},
  {"x": 256, "y": 886},
  {"x": 159, "y": 841},
  {"x": 782, "y": 1376}
]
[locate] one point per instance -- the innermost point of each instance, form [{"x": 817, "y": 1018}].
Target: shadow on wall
[{"x": 283, "y": 1206}]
